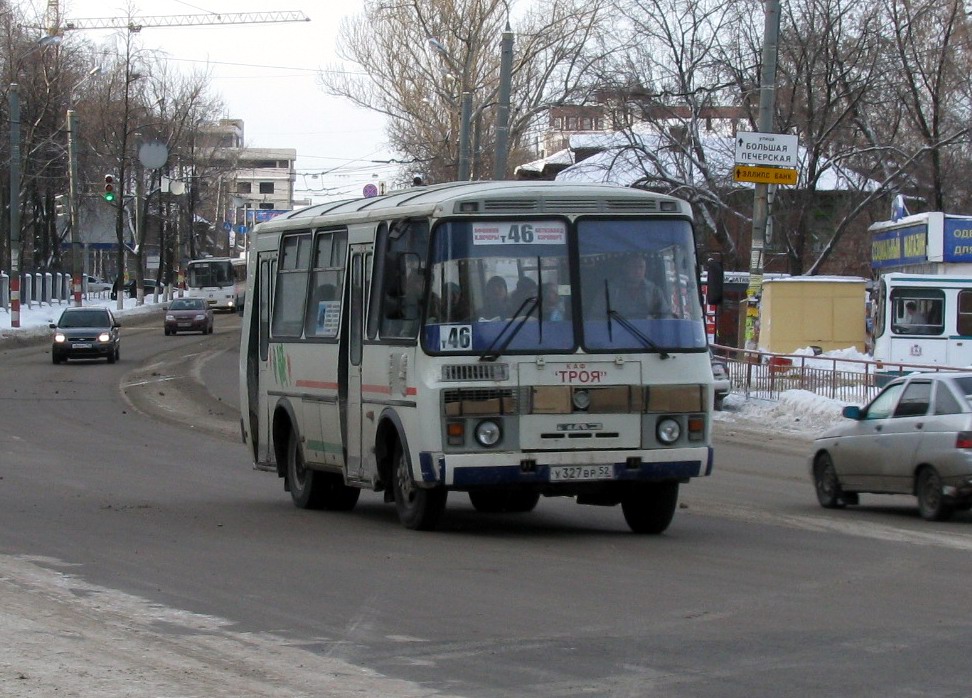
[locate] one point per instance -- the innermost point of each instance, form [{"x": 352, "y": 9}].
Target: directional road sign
[
  {"x": 764, "y": 175},
  {"x": 769, "y": 149}
]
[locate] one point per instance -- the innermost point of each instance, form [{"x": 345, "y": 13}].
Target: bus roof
[{"x": 490, "y": 196}]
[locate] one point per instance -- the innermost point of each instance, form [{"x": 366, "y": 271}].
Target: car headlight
[
  {"x": 581, "y": 398},
  {"x": 668, "y": 430},
  {"x": 59, "y": 337},
  {"x": 104, "y": 337},
  {"x": 488, "y": 433},
  {"x": 170, "y": 318},
  {"x": 201, "y": 316}
]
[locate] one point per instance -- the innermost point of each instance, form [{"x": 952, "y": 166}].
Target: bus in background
[
  {"x": 219, "y": 280},
  {"x": 508, "y": 340},
  {"x": 923, "y": 319}
]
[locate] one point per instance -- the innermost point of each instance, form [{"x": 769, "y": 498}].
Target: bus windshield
[
  {"x": 507, "y": 287},
  {"x": 212, "y": 274},
  {"x": 638, "y": 285}
]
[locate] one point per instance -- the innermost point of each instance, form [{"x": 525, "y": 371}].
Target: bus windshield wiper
[
  {"x": 626, "y": 324},
  {"x": 519, "y": 314},
  {"x": 645, "y": 339}
]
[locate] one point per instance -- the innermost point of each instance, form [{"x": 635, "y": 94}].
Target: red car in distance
[{"x": 188, "y": 315}]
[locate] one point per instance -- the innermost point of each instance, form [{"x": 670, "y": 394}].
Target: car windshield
[
  {"x": 515, "y": 286},
  {"x": 186, "y": 305},
  {"x": 84, "y": 318}
]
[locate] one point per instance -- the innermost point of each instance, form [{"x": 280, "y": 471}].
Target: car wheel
[
  {"x": 55, "y": 359},
  {"x": 650, "y": 508},
  {"x": 167, "y": 332},
  {"x": 113, "y": 356},
  {"x": 826, "y": 484},
  {"x": 418, "y": 508},
  {"x": 931, "y": 502}
]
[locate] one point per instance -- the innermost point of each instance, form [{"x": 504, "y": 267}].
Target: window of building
[
  {"x": 267, "y": 207},
  {"x": 244, "y": 187},
  {"x": 266, "y": 187}
]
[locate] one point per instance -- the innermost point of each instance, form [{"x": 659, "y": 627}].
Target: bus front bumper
[{"x": 563, "y": 469}]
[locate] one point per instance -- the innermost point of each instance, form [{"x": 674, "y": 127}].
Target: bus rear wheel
[
  {"x": 313, "y": 489},
  {"x": 650, "y": 507},
  {"x": 418, "y": 508}
]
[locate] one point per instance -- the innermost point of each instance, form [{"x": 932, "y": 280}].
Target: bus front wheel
[
  {"x": 418, "y": 508},
  {"x": 649, "y": 508}
]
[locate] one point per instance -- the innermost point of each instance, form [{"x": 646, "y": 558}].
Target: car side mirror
[
  {"x": 852, "y": 412},
  {"x": 53, "y": 325}
]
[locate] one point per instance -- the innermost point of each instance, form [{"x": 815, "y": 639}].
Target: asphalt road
[{"x": 141, "y": 554}]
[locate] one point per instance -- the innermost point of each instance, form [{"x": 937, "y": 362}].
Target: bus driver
[{"x": 633, "y": 295}]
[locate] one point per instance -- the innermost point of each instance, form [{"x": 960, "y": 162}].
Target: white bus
[
  {"x": 923, "y": 319},
  {"x": 378, "y": 351},
  {"x": 220, "y": 280}
]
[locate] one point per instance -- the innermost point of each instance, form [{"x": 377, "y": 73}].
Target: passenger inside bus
[
  {"x": 496, "y": 305},
  {"x": 553, "y": 307},
  {"x": 451, "y": 307},
  {"x": 520, "y": 303}
]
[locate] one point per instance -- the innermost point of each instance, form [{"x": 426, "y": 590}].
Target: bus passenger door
[
  {"x": 351, "y": 419},
  {"x": 257, "y": 361}
]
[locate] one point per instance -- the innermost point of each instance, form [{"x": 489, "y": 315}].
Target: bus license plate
[{"x": 560, "y": 473}]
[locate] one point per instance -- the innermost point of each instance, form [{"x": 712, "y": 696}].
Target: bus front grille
[
  {"x": 476, "y": 372},
  {"x": 467, "y": 402}
]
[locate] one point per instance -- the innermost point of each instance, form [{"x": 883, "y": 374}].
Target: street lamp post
[
  {"x": 13, "y": 98},
  {"x": 72, "y": 131},
  {"x": 75, "y": 219},
  {"x": 503, "y": 109},
  {"x": 464, "y": 128}
]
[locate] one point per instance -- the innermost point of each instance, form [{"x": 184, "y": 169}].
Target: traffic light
[
  {"x": 59, "y": 209},
  {"x": 109, "y": 194}
]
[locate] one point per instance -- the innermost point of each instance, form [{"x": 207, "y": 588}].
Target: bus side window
[
  {"x": 964, "y": 319},
  {"x": 290, "y": 294},
  {"x": 402, "y": 275}
]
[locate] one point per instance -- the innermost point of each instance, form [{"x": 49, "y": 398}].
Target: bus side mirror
[{"x": 716, "y": 276}]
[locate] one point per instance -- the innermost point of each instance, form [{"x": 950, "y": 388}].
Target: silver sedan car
[{"x": 914, "y": 438}]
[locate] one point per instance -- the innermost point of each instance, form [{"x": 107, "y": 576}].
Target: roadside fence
[{"x": 856, "y": 381}]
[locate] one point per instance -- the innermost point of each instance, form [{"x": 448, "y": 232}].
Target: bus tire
[
  {"x": 314, "y": 489},
  {"x": 649, "y": 508},
  {"x": 418, "y": 508}
]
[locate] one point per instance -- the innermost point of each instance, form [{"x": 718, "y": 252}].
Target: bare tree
[{"x": 418, "y": 57}]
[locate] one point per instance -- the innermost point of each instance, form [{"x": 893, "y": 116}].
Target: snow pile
[{"x": 797, "y": 412}]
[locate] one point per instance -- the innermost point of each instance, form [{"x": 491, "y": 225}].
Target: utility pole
[
  {"x": 767, "y": 104},
  {"x": 72, "y": 139},
  {"x": 503, "y": 110},
  {"x": 13, "y": 98}
]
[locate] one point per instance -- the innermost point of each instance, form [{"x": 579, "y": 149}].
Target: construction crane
[{"x": 56, "y": 26}]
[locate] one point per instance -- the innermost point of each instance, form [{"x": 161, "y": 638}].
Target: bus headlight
[
  {"x": 488, "y": 433},
  {"x": 668, "y": 430}
]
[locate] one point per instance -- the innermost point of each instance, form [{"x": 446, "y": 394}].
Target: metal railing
[{"x": 762, "y": 375}]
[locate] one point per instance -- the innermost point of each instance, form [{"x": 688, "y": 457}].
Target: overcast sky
[{"x": 267, "y": 76}]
